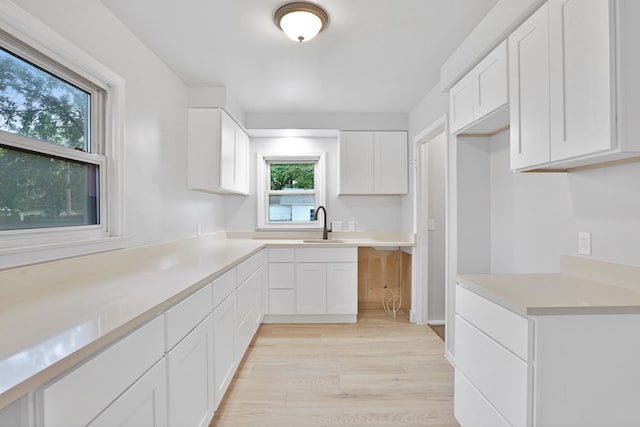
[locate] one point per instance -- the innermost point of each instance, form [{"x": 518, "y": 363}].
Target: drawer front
[
  {"x": 249, "y": 266},
  {"x": 498, "y": 374},
  {"x": 327, "y": 254},
  {"x": 245, "y": 295},
  {"x": 471, "y": 409},
  {"x": 185, "y": 316},
  {"x": 223, "y": 286},
  {"x": 78, "y": 397},
  {"x": 282, "y": 276},
  {"x": 281, "y": 255},
  {"x": 506, "y": 327}
]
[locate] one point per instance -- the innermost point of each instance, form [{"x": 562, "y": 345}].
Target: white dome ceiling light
[{"x": 301, "y": 21}]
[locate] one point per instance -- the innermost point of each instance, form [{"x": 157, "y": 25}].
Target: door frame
[{"x": 420, "y": 269}]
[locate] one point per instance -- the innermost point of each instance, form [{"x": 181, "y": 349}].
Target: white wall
[
  {"x": 158, "y": 206},
  {"x": 536, "y": 217},
  {"x": 424, "y": 114},
  {"x": 371, "y": 213}
]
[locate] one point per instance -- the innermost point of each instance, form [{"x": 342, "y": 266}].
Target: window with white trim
[
  {"x": 290, "y": 188},
  {"x": 52, "y": 145}
]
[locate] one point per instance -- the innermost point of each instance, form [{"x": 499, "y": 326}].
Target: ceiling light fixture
[{"x": 301, "y": 21}]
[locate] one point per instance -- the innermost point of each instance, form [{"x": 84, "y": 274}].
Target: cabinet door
[
  {"x": 491, "y": 82},
  {"x": 227, "y": 152},
  {"x": 144, "y": 404},
  {"x": 529, "y": 91},
  {"x": 581, "y": 79},
  {"x": 202, "y": 150},
  {"x": 190, "y": 378},
  {"x": 390, "y": 163},
  {"x": 242, "y": 161},
  {"x": 311, "y": 288},
  {"x": 356, "y": 163},
  {"x": 461, "y": 103},
  {"x": 224, "y": 331},
  {"x": 282, "y": 301},
  {"x": 342, "y": 288}
]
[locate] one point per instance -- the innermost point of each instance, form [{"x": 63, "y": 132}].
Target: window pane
[
  {"x": 39, "y": 191},
  {"x": 36, "y": 104},
  {"x": 291, "y": 176},
  {"x": 292, "y": 207}
]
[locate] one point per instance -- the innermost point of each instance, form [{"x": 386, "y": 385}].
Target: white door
[
  {"x": 144, "y": 404},
  {"x": 461, "y": 103},
  {"x": 224, "y": 331},
  {"x": 390, "y": 163},
  {"x": 342, "y": 288},
  {"x": 191, "y": 379},
  {"x": 311, "y": 288},
  {"x": 581, "y": 80},
  {"x": 227, "y": 169},
  {"x": 356, "y": 163},
  {"x": 529, "y": 91},
  {"x": 242, "y": 161}
]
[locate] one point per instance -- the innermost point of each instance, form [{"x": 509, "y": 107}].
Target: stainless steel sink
[{"x": 322, "y": 241}]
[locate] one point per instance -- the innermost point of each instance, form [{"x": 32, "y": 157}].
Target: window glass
[
  {"x": 41, "y": 191},
  {"x": 290, "y": 207},
  {"x": 36, "y": 104},
  {"x": 291, "y": 176}
]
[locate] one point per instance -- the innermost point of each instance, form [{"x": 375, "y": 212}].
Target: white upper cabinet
[
  {"x": 218, "y": 153},
  {"x": 579, "y": 52},
  {"x": 581, "y": 55},
  {"x": 373, "y": 163},
  {"x": 529, "y": 96},
  {"x": 478, "y": 102}
]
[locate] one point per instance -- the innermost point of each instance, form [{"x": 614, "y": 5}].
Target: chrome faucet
[{"x": 324, "y": 229}]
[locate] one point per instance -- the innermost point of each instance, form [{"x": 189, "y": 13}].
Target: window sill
[{"x": 16, "y": 256}]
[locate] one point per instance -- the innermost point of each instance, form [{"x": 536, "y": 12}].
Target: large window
[
  {"x": 51, "y": 143},
  {"x": 293, "y": 188}
]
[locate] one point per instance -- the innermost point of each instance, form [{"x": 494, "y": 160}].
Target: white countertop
[
  {"x": 583, "y": 287},
  {"x": 54, "y": 315}
]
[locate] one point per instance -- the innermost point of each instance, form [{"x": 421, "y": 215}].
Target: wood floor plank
[{"x": 377, "y": 372}]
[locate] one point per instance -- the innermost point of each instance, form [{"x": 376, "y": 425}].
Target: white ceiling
[{"x": 375, "y": 56}]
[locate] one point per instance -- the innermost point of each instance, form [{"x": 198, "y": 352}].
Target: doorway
[{"x": 431, "y": 261}]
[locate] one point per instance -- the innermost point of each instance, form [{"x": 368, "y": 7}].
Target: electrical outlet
[
  {"x": 584, "y": 243},
  {"x": 352, "y": 226},
  {"x": 431, "y": 225}
]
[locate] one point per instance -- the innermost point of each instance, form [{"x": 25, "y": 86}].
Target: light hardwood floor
[{"x": 378, "y": 372}]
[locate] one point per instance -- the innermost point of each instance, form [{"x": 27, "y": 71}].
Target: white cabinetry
[
  {"x": 218, "y": 152},
  {"x": 313, "y": 285},
  {"x": 79, "y": 397},
  {"x": 224, "y": 333},
  {"x": 143, "y": 404},
  {"x": 589, "y": 70},
  {"x": 478, "y": 102},
  {"x": 282, "y": 281},
  {"x": 543, "y": 370},
  {"x": 238, "y": 311},
  {"x": 190, "y": 379},
  {"x": 327, "y": 281},
  {"x": 373, "y": 163}
]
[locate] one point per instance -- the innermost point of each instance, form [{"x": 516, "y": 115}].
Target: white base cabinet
[
  {"x": 171, "y": 371},
  {"x": 545, "y": 370},
  {"x": 142, "y": 405},
  {"x": 79, "y": 397},
  {"x": 313, "y": 285},
  {"x": 190, "y": 378}
]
